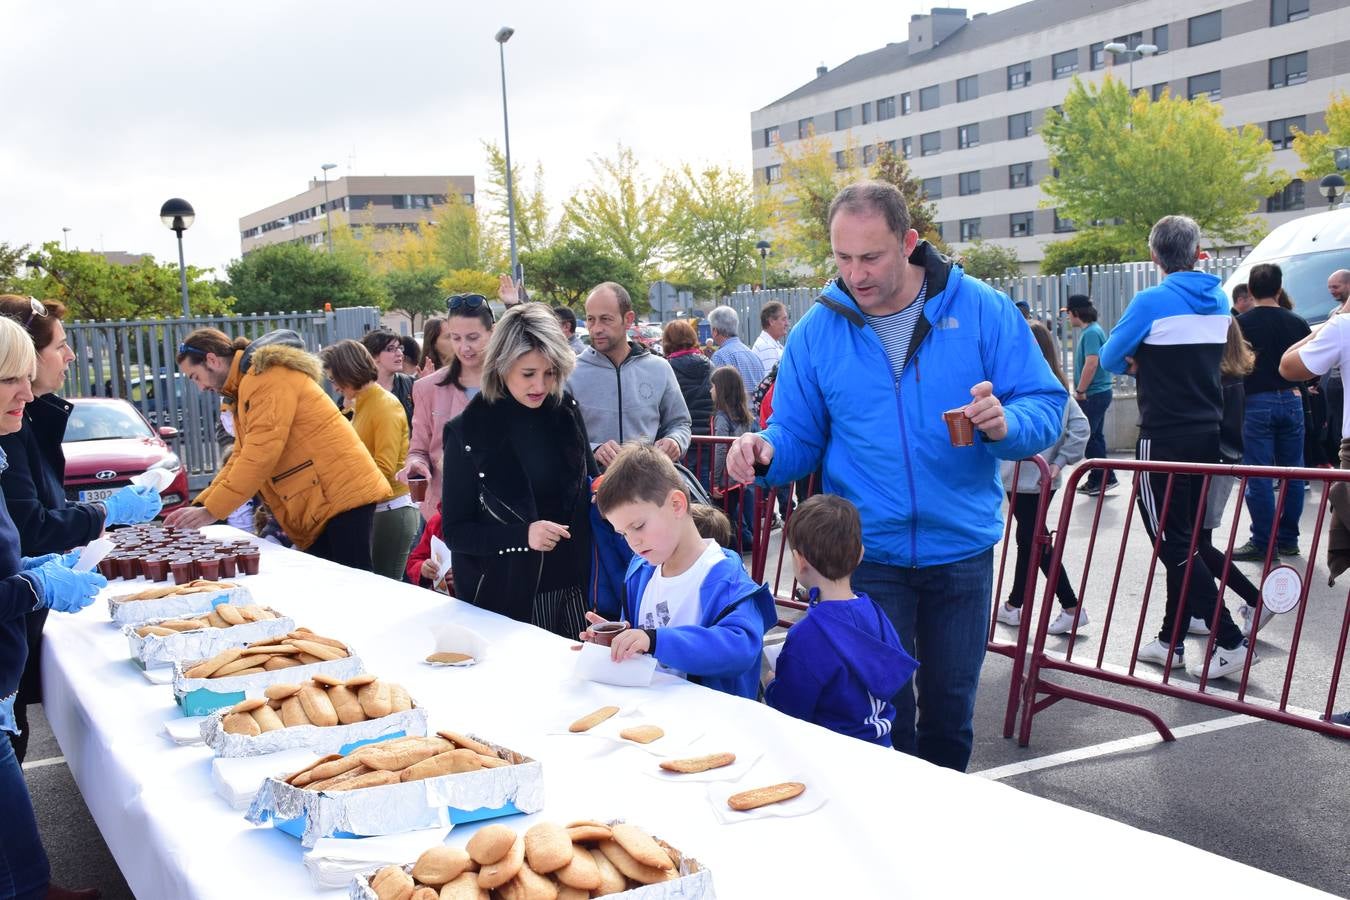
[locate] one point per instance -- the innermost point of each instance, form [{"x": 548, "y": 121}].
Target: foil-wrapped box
[
  {"x": 161, "y": 651},
  {"x": 175, "y": 606},
  {"x": 442, "y": 801},
  {"x": 321, "y": 740},
  {"x": 203, "y": 696}
]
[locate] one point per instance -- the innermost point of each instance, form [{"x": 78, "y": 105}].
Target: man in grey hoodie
[{"x": 626, "y": 393}]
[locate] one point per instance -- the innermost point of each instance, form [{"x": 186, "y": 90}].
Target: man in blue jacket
[
  {"x": 1171, "y": 338},
  {"x": 899, "y": 338}
]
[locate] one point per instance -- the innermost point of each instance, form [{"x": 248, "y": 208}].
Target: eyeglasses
[
  {"x": 35, "y": 308},
  {"x": 467, "y": 301},
  {"x": 188, "y": 348}
]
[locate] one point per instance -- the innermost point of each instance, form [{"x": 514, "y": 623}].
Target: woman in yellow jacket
[
  {"x": 381, "y": 423},
  {"x": 291, "y": 445}
]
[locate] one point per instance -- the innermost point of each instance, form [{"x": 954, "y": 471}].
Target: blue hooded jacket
[
  {"x": 883, "y": 443},
  {"x": 722, "y": 651},
  {"x": 840, "y": 667}
]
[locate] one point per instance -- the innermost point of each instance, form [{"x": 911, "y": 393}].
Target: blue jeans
[
  {"x": 1094, "y": 406},
  {"x": 24, "y": 872},
  {"x": 1272, "y": 435},
  {"x": 942, "y": 616}
]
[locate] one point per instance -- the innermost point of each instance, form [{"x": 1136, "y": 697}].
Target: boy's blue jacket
[
  {"x": 883, "y": 444},
  {"x": 724, "y": 649},
  {"x": 840, "y": 667}
]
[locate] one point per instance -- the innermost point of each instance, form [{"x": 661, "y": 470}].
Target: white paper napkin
[
  {"x": 440, "y": 556},
  {"x": 771, "y": 654},
  {"x": 806, "y": 802},
  {"x": 334, "y": 861},
  {"x": 185, "y": 730},
  {"x": 93, "y": 554},
  {"x": 594, "y": 664},
  {"x": 159, "y": 479},
  {"x": 159, "y": 674},
  {"x": 237, "y": 778},
  {"x": 746, "y": 757},
  {"x": 627, "y": 711},
  {"x": 458, "y": 639}
]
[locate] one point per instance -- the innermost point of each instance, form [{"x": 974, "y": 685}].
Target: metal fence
[{"x": 136, "y": 360}]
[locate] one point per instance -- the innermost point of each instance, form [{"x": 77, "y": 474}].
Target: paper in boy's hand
[
  {"x": 440, "y": 557},
  {"x": 771, "y": 653},
  {"x": 93, "y": 554},
  {"x": 159, "y": 479},
  {"x": 594, "y": 664}
]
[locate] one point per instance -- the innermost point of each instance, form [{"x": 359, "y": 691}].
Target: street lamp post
[
  {"x": 177, "y": 216},
  {"x": 1116, "y": 48},
  {"x": 1333, "y": 188},
  {"x": 327, "y": 213},
  {"x": 503, "y": 35},
  {"x": 763, "y": 248},
  {"x": 65, "y": 236}
]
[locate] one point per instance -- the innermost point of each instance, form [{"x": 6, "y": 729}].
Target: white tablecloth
[{"x": 892, "y": 827}]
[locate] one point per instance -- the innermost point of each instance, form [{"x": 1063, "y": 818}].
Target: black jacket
[
  {"x": 694, "y": 373},
  {"x": 18, "y": 596},
  {"x": 34, "y": 485},
  {"x": 487, "y": 504}
]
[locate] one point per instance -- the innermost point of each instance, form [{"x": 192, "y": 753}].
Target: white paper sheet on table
[
  {"x": 628, "y": 711},
  {"x": 334, "y": 861},
  {"x": 678, "y": 737},
  {"x": 237, "y": 778},
  {"x": 746, "y": 757},
  {"x": 93, "y": 554},
  {"x": 594, "y": 664},
  {"x": 158, "y": 675},
  {"x": 806, "y": 802},
  {"x": 458, "y": 639},
  {"x": 440, "y": 557},
  {"x": 186, "y": 730},
  {"x": 159, "y": 479}
]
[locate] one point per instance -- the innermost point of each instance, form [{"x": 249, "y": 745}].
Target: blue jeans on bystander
[
  {"x": 1272, "y": 435},
  {"x": 24, "y": 872},
  {"x": 1094, "y": 406},
  {"x": 942, "y": 616}
]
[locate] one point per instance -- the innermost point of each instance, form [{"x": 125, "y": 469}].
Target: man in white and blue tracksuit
[
  {"x": 1171, "y": 338},
  {"x": 899, "y": 338}
]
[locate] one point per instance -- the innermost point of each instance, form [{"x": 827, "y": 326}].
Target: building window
[
  {"x": 968, "y": 183},
  {"x": 1021, "y": 224},
  {"x": 1019, "y": 75},
  {"x": 773, "y": 174},
  {"x": 1064, "y": 64},
  {"x": 885, "y": 109},
  {"x": 890, "y": 145},
  {"x": 1063, "y": 225},
  {"x": 938, "y": 226},
  {"x": 907, "y": 147},
  {"x": 1289, "y": 70},
  {"x": 967, "y": 88},
  {"x": 1160, "y": 38},
  {"x": 1019, "y": 175},
  {"x": 930, "y": 143},
  {"x": 805, "y": 128},
  {"x": 771, "y": 136},
  {"x": 1097, "y": 55},
  {"x": 932, "y": 188},
  {"x": 1206, "y": 85},
  {"x": 1131, "y": 41},
  {"x": 1158, "y": 90},
  {"x": 843, "y": 118},
  {"x": 970, "y": 229},
  {"x": 1204, "y": 29},
  {"x": 906, "y": 104},
  {"x": 1288, "y": 199},
  {"x": 869, "y": 154},
  {"x": 928, "y": 98},
  {"x": 867, "y": 113},
  {"x": 968, "y": 136},
  {"x": 1284, "y": 11},
  {"x": 841, "y": 159},
  {"x": 1019, "y": 125},
  {"x": 1281, "y": 131}
]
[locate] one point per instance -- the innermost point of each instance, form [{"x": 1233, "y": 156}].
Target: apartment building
[
  {"x": 362, "y": 201},
  {"x": 962, "y": 98}
]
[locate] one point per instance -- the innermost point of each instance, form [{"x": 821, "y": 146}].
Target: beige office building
[
  {"x": 363, "y": 201},
  {"x": 962, "y": 98}
]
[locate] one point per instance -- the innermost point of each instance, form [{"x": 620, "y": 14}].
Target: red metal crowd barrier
[{"x": 1040, "y": 693}]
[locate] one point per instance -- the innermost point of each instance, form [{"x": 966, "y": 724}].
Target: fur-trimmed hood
[{"x": 289, "y": 357}]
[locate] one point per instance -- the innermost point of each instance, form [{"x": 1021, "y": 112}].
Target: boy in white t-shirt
[{"x": 690, "y": 602}]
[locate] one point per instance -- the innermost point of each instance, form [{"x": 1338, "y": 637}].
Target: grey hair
[
  {"x": 524, "y": 328},
  {"x": 1175, "y": 243},
  {"x": 873, "y": 198},
  {"x": 725, "y": 320}
]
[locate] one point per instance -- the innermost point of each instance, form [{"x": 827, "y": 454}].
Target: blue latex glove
[
  {"x": 67, "y": 559},
  {"x": 66, "y": 590},
  {"x": 132, "y": 505}
]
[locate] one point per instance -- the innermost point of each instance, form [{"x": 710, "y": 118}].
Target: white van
[{"x": 1307, "y": 250}]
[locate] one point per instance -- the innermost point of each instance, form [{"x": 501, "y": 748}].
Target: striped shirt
[{"x": 896, "y": 330}]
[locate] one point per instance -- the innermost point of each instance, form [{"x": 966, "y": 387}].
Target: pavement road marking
[{"x": 43, "y": 763}]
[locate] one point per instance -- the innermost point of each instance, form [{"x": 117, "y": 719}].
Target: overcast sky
[{"x": 116, "y": 105}]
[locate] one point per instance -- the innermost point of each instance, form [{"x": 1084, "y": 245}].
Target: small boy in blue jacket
[
  {"x": 841, "y": 664},
  {"x": 690, "y": 602}
]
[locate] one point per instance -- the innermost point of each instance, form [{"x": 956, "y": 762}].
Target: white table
[{"x": 893, "y": 826}]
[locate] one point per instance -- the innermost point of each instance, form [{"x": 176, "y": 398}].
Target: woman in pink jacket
[{"x": 442, "y": 395}]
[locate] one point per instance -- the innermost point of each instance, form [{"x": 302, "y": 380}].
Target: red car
[{"x": 108, "y": 441}]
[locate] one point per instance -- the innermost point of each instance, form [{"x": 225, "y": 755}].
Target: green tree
[
  {"x": 535, "y": 229},
  {"x": 94, "y": 289},
  {"x": 12, "y": 256},
  {"x": 286, "y": 277},
  {"x": 566, "y": 271},
  {"x": 414, "y": 292},
  {"x": 622, "y": 211},
  {"x": 984, "y": 260},
  {"x": 714, "y": 224},
  {"x": 893, "y": 168},
  {"x": 1124, "y": 163},
  {"x": 1092, "y": 247},
  {"x": 798, "y": 205},
  {"x": 1315, "y": 147}
]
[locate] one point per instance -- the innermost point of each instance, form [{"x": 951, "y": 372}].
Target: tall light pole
[
  {"x": 503, "y": 35},
  {"x": 1116, "y": 48},
  {"x": 177, "y": 216},
  {"x": 763, "y": 248},
  {"x": 327, "y": 213},
  {"x": 65, "y": 236}
]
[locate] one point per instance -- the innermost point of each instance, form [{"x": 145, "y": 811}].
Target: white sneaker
[
  {"x": 1010, "y": 615},
  {"x": 1197, "y": 626},
  {"x": 1063, "y": 623},
  {"x": 1246, "y": 612},
  {"x": 1227, "y": 662},
  {"x": 1156, "y": 652}
]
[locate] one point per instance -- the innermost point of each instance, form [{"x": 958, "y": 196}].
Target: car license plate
[{"x": 97, "y": 494}]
